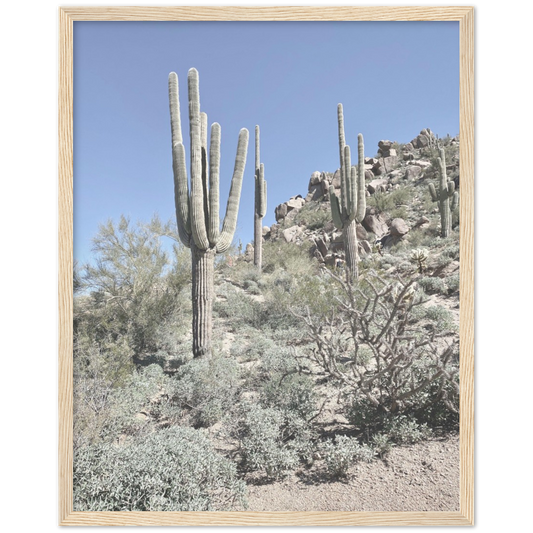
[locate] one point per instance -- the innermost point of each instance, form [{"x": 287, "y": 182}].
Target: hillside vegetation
[{"x": 310, "y": 371}]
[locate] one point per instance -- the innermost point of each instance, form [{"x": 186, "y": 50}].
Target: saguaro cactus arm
[
  {"x": 181, "y": 193},
  {"x": 198, "y": 225},
  {"x": 214, "y": 187},
  {"x": 232, "y": 209},
  {"x": 262, "y": 192},
  {"x": 360, "y": 200}
]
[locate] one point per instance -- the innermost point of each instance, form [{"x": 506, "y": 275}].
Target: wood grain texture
[
  {"x": 65, "y": 246},
  {"x": 465, "y": 15},
  {"x": 280, "y": 13}
]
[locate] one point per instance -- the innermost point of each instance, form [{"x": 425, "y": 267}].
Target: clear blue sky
[{"x": 393, "y": 78}]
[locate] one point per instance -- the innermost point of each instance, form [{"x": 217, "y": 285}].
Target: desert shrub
[
  {"x": 452, "y": 283},
  {"x": 447, "y": 255},
  {"x": 290, "y": 393},
  {"x": 204, "y": 390},
  {"x": 270, "y": 440},
  {"x": 407, "y": 430},
  {"x": 381, "y": 444},
  {"x": 175, "y": 469},
  {"x": 439, "y": 318},
  {"x": 388, "y": 201},
  {"x": 436, "y": 285},
  {"x": 288, "y": 257},
  {"x": 133, "y": 285},
  {"x": 342, "y": 453},
  {"x": 253, "y": 349},
  {"x": 433, "y": 285},
  {"x": 312, "y": 216},
  {"x": 103, "y": 412},
  {"x": 239, "y": 309}
]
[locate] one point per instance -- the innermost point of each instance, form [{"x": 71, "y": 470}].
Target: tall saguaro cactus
[
  {"x": 352, "y": 206},
  {"x": 446, "y": 196},
  {"x": 197, "y": 206},
  {"x": 260, "y": 204}
]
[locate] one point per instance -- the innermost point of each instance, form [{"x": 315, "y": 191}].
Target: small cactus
[
  {"x": 443, "y": 195},
  {"x": 420, "y": 257},
  {"x": 352, "y": 206}
]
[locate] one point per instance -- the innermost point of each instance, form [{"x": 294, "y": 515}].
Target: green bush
[
  {"x": 407, "y": 430},
  {"x": 204, "y": 390},
  {"x": 102, "y": 413},
  {"x": 342, "y": 453},
  {"x": 175, "y": 469},
  {"x": 312, "y": 216},
  {"x": 270, "y": 440},
  {"x": 290, "y": 393},
  {"x": 433, "y": 285}
]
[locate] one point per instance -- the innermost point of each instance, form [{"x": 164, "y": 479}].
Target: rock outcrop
[{"x": 383, "y": 174}]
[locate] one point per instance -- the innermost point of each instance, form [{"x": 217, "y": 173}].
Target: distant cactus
[
  {"x": 352, "y": 206},
  {"x": 445, "y": 192},
  {"x": 197, "y": 209},
  {"x": 260, "y": 203},
  {"x": 420, "y": 257}
]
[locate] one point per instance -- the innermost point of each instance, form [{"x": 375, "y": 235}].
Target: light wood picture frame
[{"x": 465, "y": 17}]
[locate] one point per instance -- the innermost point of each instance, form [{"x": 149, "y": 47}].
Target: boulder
[
  {"x": 421, "y": 222},
  {"x": 369, "y": 175},
  {"x": 315, "y": 179},
  {"x": 282, "y": 210},
  {"x": 379, "y": 185},
  {"x": 291, "y": 233},
  {"x": 364, "y": 246},
  {"x": 321, "y": 246},
  {"x": 266, "y": 231},
  {"x": 386, "y": 149},
  {"x": 361, "y": 233},
  {"x": 412, "y": 172},
  {"x": 399, "y": 228},
  {"x": 390, "y": 163},
  {"x": 336, "y": 181},
  {"x": 375, "y": 223},
  {"x": 425, "y": 138}
]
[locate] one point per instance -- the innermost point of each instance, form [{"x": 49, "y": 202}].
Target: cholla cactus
[
  {"x": 443, "y": 195},
  {"x": 197, "y": 207},
  {"x": 420, "y": 257},
  {"x": 408, "y": 295},
  {"x": 260, "y": 203},
  {"x": 352, "y": 206}
]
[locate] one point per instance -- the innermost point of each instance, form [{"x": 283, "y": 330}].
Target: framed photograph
[{"x": 266, "y": 294}]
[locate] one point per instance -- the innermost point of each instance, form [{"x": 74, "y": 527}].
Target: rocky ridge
[{"x": 409, "y": 166}]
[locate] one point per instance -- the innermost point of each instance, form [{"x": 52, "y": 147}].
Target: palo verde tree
[
  {"x": 352, "y": 206},
  {"x": 260, "y": 203},
  {"x": 197, "y": 206}
]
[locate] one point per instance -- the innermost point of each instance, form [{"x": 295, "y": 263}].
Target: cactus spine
[
  {"x": 260, "y": 203},
  {"x": 197, "y": 206},
  {"x": 352, "y": 205},
  {"x": 443, "y": 196}
]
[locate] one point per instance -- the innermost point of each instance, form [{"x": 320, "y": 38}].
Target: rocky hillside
[{"x": 398, "y": 201}]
